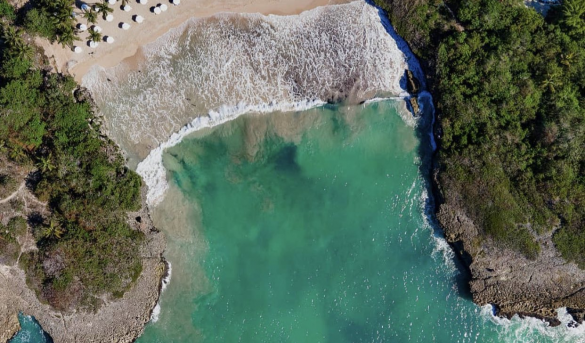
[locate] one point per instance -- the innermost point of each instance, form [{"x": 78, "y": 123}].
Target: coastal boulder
[
  {"x": 412, "y": 83},
  {"x": 9, "y": 326},
  {"x": 413, "y": 101}
]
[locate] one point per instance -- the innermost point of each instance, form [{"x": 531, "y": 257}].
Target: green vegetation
[
  {"x": 55, "y": 19},
  {"x": 9, "y": 246},
  {"x": 52, "y": 19},
  {"x": 509, "y": 86},
  {"x": 86, "y": 247}
]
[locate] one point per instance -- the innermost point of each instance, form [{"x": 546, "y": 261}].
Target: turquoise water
[
  {"x": 311, "y": 227},
  {"x": 30, "y": 332}
]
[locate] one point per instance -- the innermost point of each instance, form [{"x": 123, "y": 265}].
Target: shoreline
[
  {"x": 117, "y": 320},
  {"x": 128, "y": 43}
]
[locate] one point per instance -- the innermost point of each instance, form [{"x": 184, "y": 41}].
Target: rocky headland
[
  {"x": 116, "y": 320},
  {"x": 536, "y": 283},
  {"x": 510, "y": 281}
]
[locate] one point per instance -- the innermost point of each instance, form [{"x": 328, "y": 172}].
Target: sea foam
[
  {"x": 212, "y": 70},
  {"x": 527, "y": 330}
]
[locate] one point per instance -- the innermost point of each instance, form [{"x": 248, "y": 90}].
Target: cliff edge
[
  {"x": 510, "y": 281},
  {"x": 116, "y": 320},
  {"x": 506, "y": 209}
]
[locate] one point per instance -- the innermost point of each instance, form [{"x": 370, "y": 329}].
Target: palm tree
[
  {"x": 104, "y": 8},
  {"x": 91, "y": 16},
  {"x": 10, "y": 34},
  {"x": 94, "y": 36},
  {"x": 124, "y": 3},
  {"x": 17, "y": 154},
  {"x": 551, "y": 82},
  {"x": 568, "y": 59},
  {"x": 17, "y": 46},
  {"x": 45, "y": 163},
  {"x": 68, "y": 37},
  {"x": 54, "y": 230}
]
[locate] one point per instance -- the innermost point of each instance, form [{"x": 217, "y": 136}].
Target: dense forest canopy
[
  {"x": 509, "y": 86},
  {"x": 47, "y": 126}
]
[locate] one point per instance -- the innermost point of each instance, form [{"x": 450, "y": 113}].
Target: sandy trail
[{"x": 13, "y": 195}]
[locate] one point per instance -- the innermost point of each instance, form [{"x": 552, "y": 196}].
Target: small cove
[{"x": 312, "y": 226}]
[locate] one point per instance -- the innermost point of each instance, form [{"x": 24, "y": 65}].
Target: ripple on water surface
[{"x": 311, "y": 227}]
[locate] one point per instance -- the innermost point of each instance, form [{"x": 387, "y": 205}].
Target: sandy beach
[{"x": 127, "y": 42}]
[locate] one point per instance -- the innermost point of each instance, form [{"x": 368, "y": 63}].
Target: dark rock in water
[
  {"x": 82, "y": 94},
  {"x": 414, "y": 104},
  {"x": 412, "y": 83},
  {"x": 577, "y": 314}
]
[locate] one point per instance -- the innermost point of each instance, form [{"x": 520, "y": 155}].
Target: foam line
[{"x": 151, "y": 168}]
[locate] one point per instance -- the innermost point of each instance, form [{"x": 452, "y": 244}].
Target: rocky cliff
[
  {"x": 116, "y": 320},
  {"x": 499, "y": 276},
  {"x": 510, "y": 281}
]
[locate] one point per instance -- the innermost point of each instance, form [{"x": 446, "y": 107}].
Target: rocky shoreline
[
  {"x": 510, "y": 281},
  {"x": 506, "y": 279},
  {"x": 117, "y": 320}
]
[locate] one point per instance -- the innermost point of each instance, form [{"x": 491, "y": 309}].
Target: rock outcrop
[
  {"x": 413, "y": 88},
  {"x": 9, "y": 326},
  {"x": 117, "y": 320},
  {"x": 510, "y": 281},
  {"x": 412, "y": 83}
]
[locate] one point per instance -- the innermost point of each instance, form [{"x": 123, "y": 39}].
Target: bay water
[
  {"x": 314, "y": 227},
  {"x": 293, "y": 223}
]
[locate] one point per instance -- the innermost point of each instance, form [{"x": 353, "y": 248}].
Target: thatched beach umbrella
[
  {"x": 163, "y": 7},
  {"x": 156, "y": 10},
  {"x": 176, "y": 2},
  {"x": 110, "y": 17},
  {"x": 77, "y": 49},
  {"x": 138, "y": 18},
  {"x": 125, "y": 26},
  {"x": 81, "y": 27},
  {"x": 127, "y": 8},
  {"x": 109, "y": 39}
]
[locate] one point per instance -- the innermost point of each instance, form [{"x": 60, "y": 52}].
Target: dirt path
[{"x": 13, "y": 195}]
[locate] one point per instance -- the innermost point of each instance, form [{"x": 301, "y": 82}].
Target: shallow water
[
  {"x": 30, "y": 331},
  {"x": 298, "y": 227},
  {"x": 236, "y": 61},
  {"x": 312, "y": 227}
]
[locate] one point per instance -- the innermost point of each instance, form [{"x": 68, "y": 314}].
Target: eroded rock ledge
[
  {"x": 510, "y": 281},
  {"x": 117, "y": 320}
]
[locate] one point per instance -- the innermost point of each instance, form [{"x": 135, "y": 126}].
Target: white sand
[{"x": 127, "y": 42}]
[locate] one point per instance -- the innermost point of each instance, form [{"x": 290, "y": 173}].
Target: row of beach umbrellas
[{"x": 158, "y": 9}]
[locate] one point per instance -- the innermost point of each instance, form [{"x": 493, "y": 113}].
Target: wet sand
[{"x": 127, "y": 42}]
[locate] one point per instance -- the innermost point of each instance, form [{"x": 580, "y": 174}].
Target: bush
[
  {"x": 509, "y": 87},
  {"x": 6, "y": 10},
  {"x": 37, "y": 21},
  {"x": 86, "y": 247}
]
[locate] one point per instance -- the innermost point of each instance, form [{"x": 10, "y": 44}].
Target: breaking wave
[
  {"x": 527, "y": 330},
  {"x": 211, "y": 70}
]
